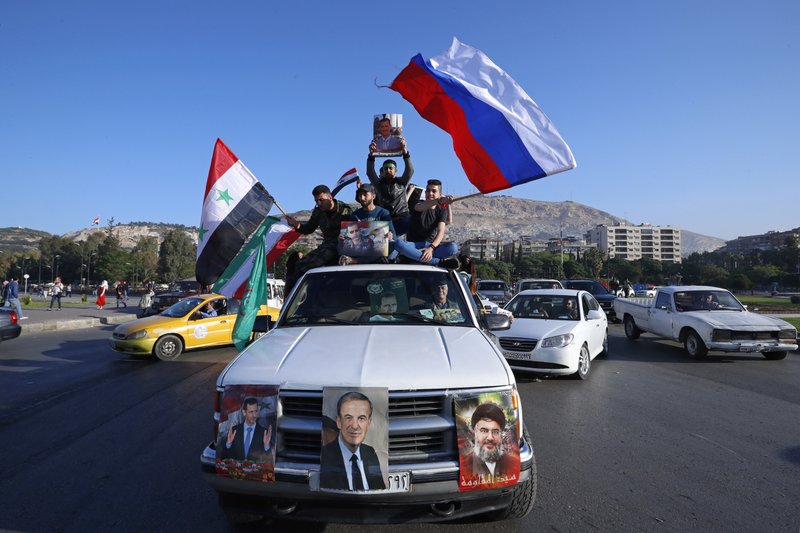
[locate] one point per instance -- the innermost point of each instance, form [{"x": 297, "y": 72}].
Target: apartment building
[{"x": 661, "y": 243}]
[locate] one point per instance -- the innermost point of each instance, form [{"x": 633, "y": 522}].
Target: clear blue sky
[{"x": 680, "y": 113}]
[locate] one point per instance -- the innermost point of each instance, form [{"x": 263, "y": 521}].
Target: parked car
[
  {"x": 495, "y": 290},
  {"x": 181, "y": 327},
  {"x": 9, "y": 325},
  {"x": 555, "y": 332},
  {"x": 177, "y": 291},
  {"x": 603, "y": 296},
  {"x": 646, "y": 292},
  {"x": 706, "y": 318},
  {"x": 377, "y": 327},
  {"x": 536, "y": 283}
]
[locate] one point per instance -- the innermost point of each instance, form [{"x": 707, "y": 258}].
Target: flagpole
[
  {"x": 276, "y": 204},
  {"x": 465, "y": 197}
]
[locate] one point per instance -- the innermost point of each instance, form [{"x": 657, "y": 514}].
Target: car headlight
[
  {"x": 721, "y": 335},
  {"x": 141, "y": 334},
  {"x": 787, "y": 335},
  {"x": 559, "y": 341}
]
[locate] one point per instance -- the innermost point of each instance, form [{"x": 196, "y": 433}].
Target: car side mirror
[
  {"x": 594, "y": 314},
  {"x": 262, "y": 324},
  {"x": 497, "y": 322}
]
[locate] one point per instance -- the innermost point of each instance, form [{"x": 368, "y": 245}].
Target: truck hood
[
  {"x": 537, "y": 328},
  {"x": 398, "y": 357},
  {"x": 739, "y": 320}
]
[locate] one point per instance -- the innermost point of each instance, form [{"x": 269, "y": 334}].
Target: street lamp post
[
  {"x": 55, "y": 265},
  {"x": 89, "y": 270}
]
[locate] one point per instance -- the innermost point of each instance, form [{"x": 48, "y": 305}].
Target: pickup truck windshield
[
  {"x": 706, "y": 301},
  {"x": 372, "y": 297}
]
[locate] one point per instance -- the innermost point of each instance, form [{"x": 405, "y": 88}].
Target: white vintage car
[
  {"x": 706, "y": 318},
  {"x": 410, "y": 330},
  {"x": 554, "y": 332}
]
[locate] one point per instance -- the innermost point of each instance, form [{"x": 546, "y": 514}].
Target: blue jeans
[
  {"x": 53, "y": 299},
  {"x": 15, "y": 303},
  {"x": 413, "y": 250}
]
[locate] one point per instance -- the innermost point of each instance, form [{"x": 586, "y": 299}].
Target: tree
[
  {"x": 110, "y": 262},
  {"x": 280, "y": 264},
  {"x": 593, "y": 261},
  {"x": 176, "y": 257},
  {"x": 144, "y": 259}
]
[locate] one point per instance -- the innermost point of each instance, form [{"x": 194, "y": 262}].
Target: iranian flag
[
  {"x": 276, "y": 236},
  {"x": 234, "y": 206}
]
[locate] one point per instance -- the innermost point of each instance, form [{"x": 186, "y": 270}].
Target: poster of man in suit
[
  {"x": 488, "y": 443},
  {"x": 387, "y": 135},
  {"x": 248, "y": 432},
  {"x": 358, "y": 458}
]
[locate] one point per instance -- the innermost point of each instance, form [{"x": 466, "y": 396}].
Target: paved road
[{"x": 95, "y": 441}]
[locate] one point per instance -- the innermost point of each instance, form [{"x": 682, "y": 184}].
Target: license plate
[
  {"x": 398, "y": 482},
  {"x": 516, "y": 355}
]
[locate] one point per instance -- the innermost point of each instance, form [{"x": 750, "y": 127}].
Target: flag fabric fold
[
  {"x": 254, "y": 296},
  {"x": 499, "y": 134},
  {"x": 347, "y": 178},
  {"x": 276, "y": 235},
  {"x": 234, "y": 206}
]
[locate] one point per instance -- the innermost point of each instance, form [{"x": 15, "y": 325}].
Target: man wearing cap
[
  {"x": 488, "y": 462},
  {"x": 391, "y": 190},
  {"x": 328, "y": 216},
  {"x": 368, "y": 212}
]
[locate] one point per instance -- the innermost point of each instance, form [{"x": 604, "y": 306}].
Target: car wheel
[
  {"x": 604, "y": 351},
  {"x": 168, "y": 348},
  {"x": 631, "y": 331},
  {"x": 584, "y": 363},
  {"x": 524, "y": 494},
  {"x": 774, "y": 356},
  {"x": 694, "y": 345}
]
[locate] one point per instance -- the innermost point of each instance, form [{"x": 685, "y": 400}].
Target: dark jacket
[
  {"x": 329, "y": 222},
  {"x": 256, "y": 452},
  {"x": 332, "y": 468},
  {"x": 392, "y": 194}
]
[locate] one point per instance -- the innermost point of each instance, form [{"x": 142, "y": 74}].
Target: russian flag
[
  {"x": 499, "y": 134},
  {"x": 234, "y": 206}
]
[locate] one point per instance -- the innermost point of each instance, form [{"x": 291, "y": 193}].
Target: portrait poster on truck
[
  {"x": 354, "y": 456},
  {"x": 365, "y": 239},
  {"x": 386, "y": 297},
  {"x": 488, "y": 441},
  {"x": 247, "y": 435}
]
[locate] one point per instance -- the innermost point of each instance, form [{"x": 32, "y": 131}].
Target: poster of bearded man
[{"x": 488, "y": 442}]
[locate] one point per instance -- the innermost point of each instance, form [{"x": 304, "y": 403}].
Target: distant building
[
  {"x": 570, "y": 245},
  {"x": 484, "y": 249},
  {"x": 522, "y": 247},
  {"x": 661, "y": 243},
  {"x": 771, "y": 240}
]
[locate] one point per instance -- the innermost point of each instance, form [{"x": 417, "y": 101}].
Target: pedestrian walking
[
  {"x": 120, "y": 291},
  {"x": 101, "y": 294},
  {"x": 13, "y": 296}
]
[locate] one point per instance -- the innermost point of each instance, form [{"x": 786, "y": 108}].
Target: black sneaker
[{"x": 450, "y": 263}]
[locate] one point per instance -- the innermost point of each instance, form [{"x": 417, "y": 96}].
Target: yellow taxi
[{"x": 188, "y": 324}]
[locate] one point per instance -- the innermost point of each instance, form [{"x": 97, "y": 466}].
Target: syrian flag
[
  {"x": 499, "y": 134},
  {"x": 234, "y": 206},
  {"x": 347, "y": 178},
  {"x": 277, "y": 237},
  {"x": 96, "y": 221}
]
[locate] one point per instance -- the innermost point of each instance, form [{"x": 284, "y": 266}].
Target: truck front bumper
[
  {"x": 749, "y": 347},
  {"x": 434, "y": 494}
]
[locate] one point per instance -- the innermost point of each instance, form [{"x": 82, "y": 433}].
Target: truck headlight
[
  {"x": 558, "y": 341},
  {"x": 787, "y": 335},
  {"x": 141, "y": 334}
]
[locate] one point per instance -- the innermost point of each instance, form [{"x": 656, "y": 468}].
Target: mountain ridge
[{"x": 498, "y": 216}]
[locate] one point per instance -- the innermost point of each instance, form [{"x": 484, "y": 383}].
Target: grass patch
[
  {"x": 795, "y": 321},
  {"x": 65, "y": 302},
  {"x": 765, "y": 300}
]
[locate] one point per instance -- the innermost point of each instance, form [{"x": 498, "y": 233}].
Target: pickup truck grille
[
  {"x": 513, "y": 344},
  {"x": 725, "y": 335},
  {"x": 421, "y": 427}
]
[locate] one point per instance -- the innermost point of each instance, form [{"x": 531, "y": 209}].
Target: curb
[{"x": 80, "y": 323}]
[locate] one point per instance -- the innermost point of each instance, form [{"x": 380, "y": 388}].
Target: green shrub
[
  {"x": 795, "y": 299},
  {"x": 26, "y": 300},
  {"x": 83, "y": 298}
]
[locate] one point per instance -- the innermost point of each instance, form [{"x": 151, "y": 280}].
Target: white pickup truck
[
  {"x": 409, "y": 342},
  {"x": 706, "y": 318}
]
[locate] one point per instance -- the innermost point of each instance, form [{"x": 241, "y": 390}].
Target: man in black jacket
[
  {"x": 248, "y": 441},
  {"x": 346, "y": 463},
  {"x": 391, "y": 190}
]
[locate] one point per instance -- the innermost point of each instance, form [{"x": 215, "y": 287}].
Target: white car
[
  {"x": 537, "y": 283},
  {"x": 646, "y": 292},
  {"x": 555, "y": 332}
]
